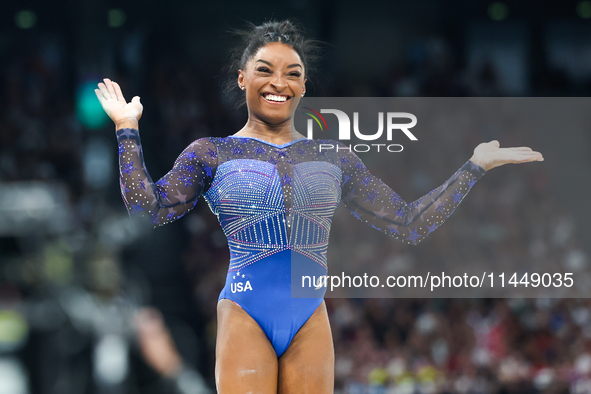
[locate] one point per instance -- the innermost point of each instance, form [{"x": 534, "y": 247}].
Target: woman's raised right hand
[{"x": 122, "y": 113}]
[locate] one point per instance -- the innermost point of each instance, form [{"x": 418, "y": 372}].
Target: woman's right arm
[{"x": 178, "y": 191}]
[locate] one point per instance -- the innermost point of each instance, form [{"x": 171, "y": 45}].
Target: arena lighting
[
  {"x": 25, "y": 19},
  {"x": 88, "y": 109},
  {"x": 584, "y": 9},
  {"x": 116, "y": 18},
  {"x": 498, "y": 11}
]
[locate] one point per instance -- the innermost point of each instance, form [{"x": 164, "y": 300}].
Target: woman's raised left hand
[{"x": 489, "y": 155}]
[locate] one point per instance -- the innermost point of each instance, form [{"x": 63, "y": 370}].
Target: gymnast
[{"x": 274, "y": 194}]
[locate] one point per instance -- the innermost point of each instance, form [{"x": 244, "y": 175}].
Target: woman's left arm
[{"x": 374, "y": 202}]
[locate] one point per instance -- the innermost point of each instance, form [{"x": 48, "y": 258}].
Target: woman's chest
[{"x": 263, "y": 186}]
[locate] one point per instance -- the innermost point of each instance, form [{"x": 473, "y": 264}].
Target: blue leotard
[{"x": 275, "y": 204}]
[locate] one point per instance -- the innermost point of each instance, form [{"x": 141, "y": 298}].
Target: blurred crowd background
[{"x": 93, "y": 302}]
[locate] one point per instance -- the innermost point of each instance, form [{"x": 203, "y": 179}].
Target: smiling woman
[{"x": 274, "y": 193}]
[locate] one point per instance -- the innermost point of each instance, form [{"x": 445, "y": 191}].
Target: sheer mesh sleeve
[
  {"x": 177, "y": 192},
  {"x": 373, "y": 202}
]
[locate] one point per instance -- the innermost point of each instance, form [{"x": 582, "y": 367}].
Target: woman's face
[{"x": 274, "y": 82}]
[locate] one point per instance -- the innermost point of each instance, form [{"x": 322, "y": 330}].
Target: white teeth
[{"x": 272, "y": 97}]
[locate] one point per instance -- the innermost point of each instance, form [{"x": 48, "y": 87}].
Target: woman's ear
[{"x": 241, "y": 80}]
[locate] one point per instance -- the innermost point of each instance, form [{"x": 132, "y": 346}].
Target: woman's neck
[{"x": 275, "y": 134}]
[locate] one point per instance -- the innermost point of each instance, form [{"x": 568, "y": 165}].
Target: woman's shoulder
[{"x": 203, "y": 145}]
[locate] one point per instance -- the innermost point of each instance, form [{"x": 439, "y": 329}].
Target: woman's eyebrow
[
  {"x": 266, "y": 62},
  {"x": 271, "y": 64}
]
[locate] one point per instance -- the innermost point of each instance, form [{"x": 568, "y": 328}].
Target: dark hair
[{"x": 256, "y": 37}]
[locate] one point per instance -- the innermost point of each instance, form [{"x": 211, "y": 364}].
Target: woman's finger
[
  {"x": 104, "y": 91},
  {"x": 522, "y": 154},
  {"x": 520, "y": 149},
  {"x": 110, "y": 88},
  {"x": 119, "y": 92},
  {"x": 99, "y": 95},
  {"x": 526, "y": 156}
]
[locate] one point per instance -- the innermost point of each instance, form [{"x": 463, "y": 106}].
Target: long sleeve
[
  {"x": 373, "y": 202},
  {"x": 174, "y": 194}
]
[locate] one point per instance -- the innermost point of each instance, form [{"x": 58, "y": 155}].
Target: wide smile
[{"x": 275, "y": 99}]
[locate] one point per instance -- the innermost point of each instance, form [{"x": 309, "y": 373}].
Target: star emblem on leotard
[
  {"x": 350, "y": 196},
  {"x": 286, "y": 180},
  {"x": 372, "y": 195},
  {"x": 154, "y": 217},
  {"x": 181, "y": 197},
  {"x": 127, "y": 168},
  {"x": 237, "y": 275},
  {"x": 185, "y": 179},
  {"x": 413, "y": 236},
  {"x": 191, "y": 155},
  {"x": 207, "y": 169},
  {"x": 213, "y": 154},
  {"x": 127, "y": 134},
  {"x": 431, "y": 228},
  {"x": 189, "y": 168},
  {"x": 395, "y": 198},
  {"x": 124, "y": 188},
  {"x": 381, "y": 213},
  {"x": 137, "y": 207},
  {"x": 393, "y": 230},
  {"x": 366, "y": 180},
  {"x": 161, "y": 192},
  {"x": 163, "y": 182},
  {"x": 457, "y": 196}
]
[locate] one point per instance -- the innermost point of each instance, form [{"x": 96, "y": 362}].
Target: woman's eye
[
  {"x": 295, "y": 74},
  {"x": 263, "y": 70}
]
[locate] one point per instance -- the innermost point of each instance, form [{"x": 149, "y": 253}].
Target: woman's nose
[{"x": 278, "y": 82}]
